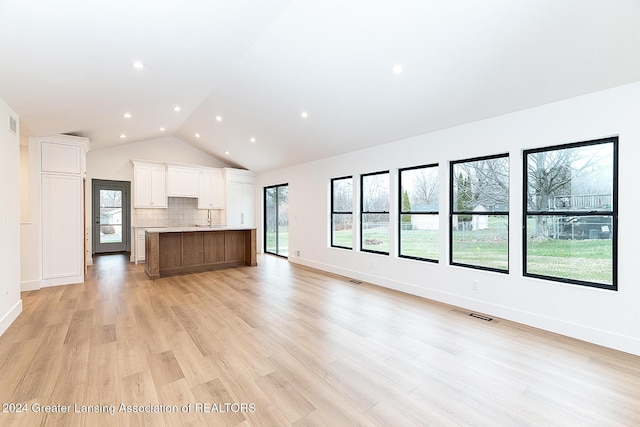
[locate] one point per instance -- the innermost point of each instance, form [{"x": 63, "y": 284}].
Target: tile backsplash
[{"x": 181, "y": 211}]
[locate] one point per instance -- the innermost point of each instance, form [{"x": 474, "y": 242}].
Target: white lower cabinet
[
  {"x": 139, "y": 245},
  {"x": 62, "y": 229}
]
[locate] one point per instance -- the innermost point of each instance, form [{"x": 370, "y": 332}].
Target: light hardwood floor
[{"x": 297, "y": 347}]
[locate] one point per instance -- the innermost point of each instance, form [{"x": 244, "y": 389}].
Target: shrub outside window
[
  {"x": 374, "y": 213},
  {"x": 479, "y": 220},
  {"x": 570, "y": 213},
  {"x": 342, "y": 212},
  {"x": 419, "y": 205}
]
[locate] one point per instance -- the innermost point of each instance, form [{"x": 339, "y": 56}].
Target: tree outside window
[
  {"x": 570, "y": 221},
  {"x": 479, "y": 222}
]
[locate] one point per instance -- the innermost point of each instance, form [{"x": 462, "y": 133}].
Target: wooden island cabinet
[{"x": 181, "y": 250}]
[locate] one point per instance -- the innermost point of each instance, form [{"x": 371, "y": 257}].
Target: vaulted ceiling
[{"x": 243, "y": 69}]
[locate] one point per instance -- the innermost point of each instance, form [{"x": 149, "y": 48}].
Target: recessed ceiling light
[
  {"x": 252, "y": 139},
  {"x": 197, "y": 135},
  {"x": 218, "y": 119},
  {"x": 176, "y": 108},
  {"x": 397, "y": 69},
  {"x": 127, "y": 115},
  {"x": 161, "y": 129},
  {"x": 227, "y": 152},
  {"x": 123, "y": 136},
  {"x": 304, "y": 114},
  {"x": 138, "y": 65}
]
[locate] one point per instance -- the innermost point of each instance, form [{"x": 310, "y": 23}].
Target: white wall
[
  {"x": 604, "y": 317},
  {"x": 114, "y": 163},
  {"x": 10, "y": 302}
]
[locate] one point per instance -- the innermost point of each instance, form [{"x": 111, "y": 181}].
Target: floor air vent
[
  {"x": 357, "y": 282},
  {"x": 481, "y": 317}
]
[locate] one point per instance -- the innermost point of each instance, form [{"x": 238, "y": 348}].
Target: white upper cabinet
[
  {"x": 60, "y": 156},
  {"x": 149, "y": 185},
  {"x": 211, "y": 189},
  {"x": 183, "y": 181}
]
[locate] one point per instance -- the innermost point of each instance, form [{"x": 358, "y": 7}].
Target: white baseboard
[
  {"x": 9, "y": 318},
  {"x": 68, "y": 280},
  {"x": 558, "y": 326},
  {"x": 30, "y": 285}
]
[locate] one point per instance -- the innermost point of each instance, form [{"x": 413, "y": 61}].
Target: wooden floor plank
[{"x": 285, "y": 345}]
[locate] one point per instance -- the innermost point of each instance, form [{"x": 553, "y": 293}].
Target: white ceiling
[{"x": 65, "y": 67}]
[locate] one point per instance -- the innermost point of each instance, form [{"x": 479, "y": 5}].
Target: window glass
[
  {"x": 374, "y": 224},
  {"x": 342, "y": 212},
  {"x": 479, "y": 234},
  {"x": 419, "y": 220},
  {"x": 570, "y": 216}
]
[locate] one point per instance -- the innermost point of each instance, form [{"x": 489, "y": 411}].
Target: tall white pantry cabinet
[
  {"x": 62, "y": 173},
  {"x": 240, "y": 200}
]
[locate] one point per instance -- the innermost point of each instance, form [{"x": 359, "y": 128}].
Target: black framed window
[
  {"x": 418, "y": 227},
  {"x": 342, "y": 212},
  {"x": 374, "y": 213},
  {"x": 479, "y": 220},
  {"x": 570, "y": 213}
]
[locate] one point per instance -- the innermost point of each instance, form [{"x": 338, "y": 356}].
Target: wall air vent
[{"x": 13, "y": 125}]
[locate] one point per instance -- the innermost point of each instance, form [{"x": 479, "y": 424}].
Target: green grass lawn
[
  {"x": 283, "y": 242},
  {"x": 587, "y": 260}
]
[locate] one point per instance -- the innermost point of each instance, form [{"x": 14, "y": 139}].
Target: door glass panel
[
  {"x": 110, "y": 216},
  {"x": 270, "y": 219},
  {"x": 283, "y": 221},
  {"x": 276, "y": 220}
]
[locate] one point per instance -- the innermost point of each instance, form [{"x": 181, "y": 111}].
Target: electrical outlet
[
  {"x": 297, "y": 252},
  {"x": 475, "y": 286}
]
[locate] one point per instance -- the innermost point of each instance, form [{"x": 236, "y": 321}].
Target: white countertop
[{"x": 185, "y": 229}]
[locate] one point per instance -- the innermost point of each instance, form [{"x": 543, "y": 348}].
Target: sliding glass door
[{"x": 276, "y": 220}]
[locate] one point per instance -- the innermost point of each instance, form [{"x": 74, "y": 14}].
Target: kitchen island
[{"x": 179, "y": 250}]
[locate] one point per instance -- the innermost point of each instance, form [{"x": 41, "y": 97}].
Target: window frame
[
  {"x": 363, "y": 212},
  {"x": 402, "y": 212},
  {"x": 613, "y": 213},
  {"x": 334, "y": 212},
  {"x": 453, "y": 212}
]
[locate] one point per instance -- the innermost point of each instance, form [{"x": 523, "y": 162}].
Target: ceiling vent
[{"x": 13, "y": 125}]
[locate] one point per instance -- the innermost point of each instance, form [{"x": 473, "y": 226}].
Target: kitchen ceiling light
[
  {"x": 304, "y": 114},
  {"x": 176, "y": 108},
  {"x": 123, "y": 136},
  {"x": 197, "y": 135},
  {"x": 138, "y": 65},
  {"x": 127, "y": 115},
  {"x": 218, "y": 119},
  {"x": 227, "y": 152},
  {"x": 252, "y": 139},
  {"x": 397, "y": 69},
  {"x": 161, "y": 129}
]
